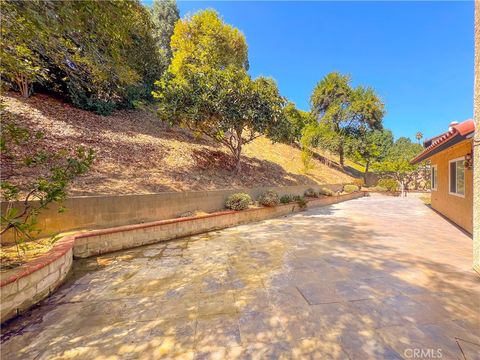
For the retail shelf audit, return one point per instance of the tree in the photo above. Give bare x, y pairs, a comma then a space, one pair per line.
419, 136
24, 151
208, 90
346, 111
100, 55
165, 14
372, 147
297, 119
204, 42
21, 65
397, 165
224, 105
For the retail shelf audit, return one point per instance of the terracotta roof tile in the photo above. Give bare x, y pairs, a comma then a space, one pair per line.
464, 128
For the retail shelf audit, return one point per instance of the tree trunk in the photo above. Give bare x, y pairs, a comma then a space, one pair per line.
367, 165
238, 152
341, 154
23, 85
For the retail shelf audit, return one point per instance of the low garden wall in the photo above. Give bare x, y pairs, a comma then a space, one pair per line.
32, 282
99, 212
124, 237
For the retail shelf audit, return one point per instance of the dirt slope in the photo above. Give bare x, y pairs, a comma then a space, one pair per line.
137, 154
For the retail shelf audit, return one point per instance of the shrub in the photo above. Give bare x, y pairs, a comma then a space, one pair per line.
326, 192
350, 188
297, 197
389, 184
286, 199
310, 193
270, 198
302, 203
238, 201
54, 171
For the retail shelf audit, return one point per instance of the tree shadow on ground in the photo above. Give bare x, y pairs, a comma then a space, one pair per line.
335, 165
136, 153
324, 283
221, 164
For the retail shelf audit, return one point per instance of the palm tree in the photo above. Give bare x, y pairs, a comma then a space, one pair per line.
419, 136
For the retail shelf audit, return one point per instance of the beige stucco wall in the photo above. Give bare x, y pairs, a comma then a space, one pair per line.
456, 208
97, 212
476, 208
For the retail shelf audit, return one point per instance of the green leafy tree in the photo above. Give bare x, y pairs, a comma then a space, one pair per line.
297, 119
224, 105
371, 147
100, 55
396, 163
343, 111
23, 151
21, 66
165, 14
204, 42
208, 90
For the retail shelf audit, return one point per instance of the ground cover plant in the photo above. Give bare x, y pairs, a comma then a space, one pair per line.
238, 201
311, 193
269, 199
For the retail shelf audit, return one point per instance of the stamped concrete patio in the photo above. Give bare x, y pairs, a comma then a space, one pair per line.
374, 278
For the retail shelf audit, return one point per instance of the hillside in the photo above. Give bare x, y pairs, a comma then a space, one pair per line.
137, 154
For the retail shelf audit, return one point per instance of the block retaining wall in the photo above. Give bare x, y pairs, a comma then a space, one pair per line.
97, 212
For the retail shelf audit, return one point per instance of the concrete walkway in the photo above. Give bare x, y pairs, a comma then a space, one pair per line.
373, 278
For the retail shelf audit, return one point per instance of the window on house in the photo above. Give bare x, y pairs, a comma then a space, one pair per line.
434, 177
457, 177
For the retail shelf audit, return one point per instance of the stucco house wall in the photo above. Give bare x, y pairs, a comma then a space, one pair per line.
456, 208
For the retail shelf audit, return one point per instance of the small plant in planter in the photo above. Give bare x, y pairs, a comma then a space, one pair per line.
238, 201
326, 191
286, 199
269, 198
350, 188
310, 193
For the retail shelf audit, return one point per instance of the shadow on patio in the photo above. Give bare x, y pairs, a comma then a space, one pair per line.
357, 280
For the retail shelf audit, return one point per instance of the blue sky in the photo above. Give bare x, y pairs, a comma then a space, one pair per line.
417, 55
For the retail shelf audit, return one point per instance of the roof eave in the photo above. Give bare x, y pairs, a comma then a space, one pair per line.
450, 142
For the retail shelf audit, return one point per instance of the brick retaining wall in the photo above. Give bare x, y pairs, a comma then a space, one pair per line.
124, 237
34, 281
